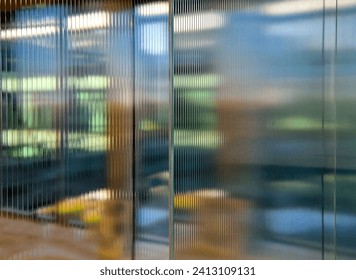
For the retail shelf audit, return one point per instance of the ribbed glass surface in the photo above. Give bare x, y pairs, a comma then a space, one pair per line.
344, 112
329, 130
151, 120
182, 129
251, 94
66, 129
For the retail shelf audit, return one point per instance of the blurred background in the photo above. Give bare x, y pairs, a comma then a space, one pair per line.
205, 129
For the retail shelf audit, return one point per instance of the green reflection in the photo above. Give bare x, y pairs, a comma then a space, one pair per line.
196, 81
51, 83
210, 139
32, 143
204, 98
297, 123
149, 125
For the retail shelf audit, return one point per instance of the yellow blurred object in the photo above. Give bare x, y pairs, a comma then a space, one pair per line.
185, 201
92, 216
87, 211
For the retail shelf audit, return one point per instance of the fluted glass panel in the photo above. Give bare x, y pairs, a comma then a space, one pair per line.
66, 129
183, 129
328, 128
248, 128
151, 118
344, 113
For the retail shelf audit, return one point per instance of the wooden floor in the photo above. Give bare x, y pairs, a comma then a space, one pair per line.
26, 239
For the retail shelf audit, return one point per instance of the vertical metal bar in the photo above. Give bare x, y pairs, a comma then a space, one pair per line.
133, 129
171, 128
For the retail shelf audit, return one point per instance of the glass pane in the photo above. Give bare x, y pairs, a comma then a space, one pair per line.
220, 131
328, 129
248, 93
66, 130
152, 130
345, 72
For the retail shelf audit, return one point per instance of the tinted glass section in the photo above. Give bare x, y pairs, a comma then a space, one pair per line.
151, 130
345, 85
183, 129
66, 129
248, 129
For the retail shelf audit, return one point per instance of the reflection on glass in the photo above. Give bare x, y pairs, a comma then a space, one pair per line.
151, 133
258, 129
344, 176
66, 130
248, 93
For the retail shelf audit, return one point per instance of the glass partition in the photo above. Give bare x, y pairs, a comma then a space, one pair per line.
151, 118
344, 101
182, 129
66, 129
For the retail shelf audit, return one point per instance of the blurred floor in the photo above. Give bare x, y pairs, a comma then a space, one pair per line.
25, 239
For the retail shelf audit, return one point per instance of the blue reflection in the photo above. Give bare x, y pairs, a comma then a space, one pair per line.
263, 120
273, 125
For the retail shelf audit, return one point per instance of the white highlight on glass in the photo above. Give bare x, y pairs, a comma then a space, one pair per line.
18, 33
80, 22
153, 9
294, 7
88, 21
199, 22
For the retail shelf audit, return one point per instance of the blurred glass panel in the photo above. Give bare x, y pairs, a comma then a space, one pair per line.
248, 93
328, 129
152, 128
345, 71
66, 129
262, 131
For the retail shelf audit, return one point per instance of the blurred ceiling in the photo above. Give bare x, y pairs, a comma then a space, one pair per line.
11, 5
